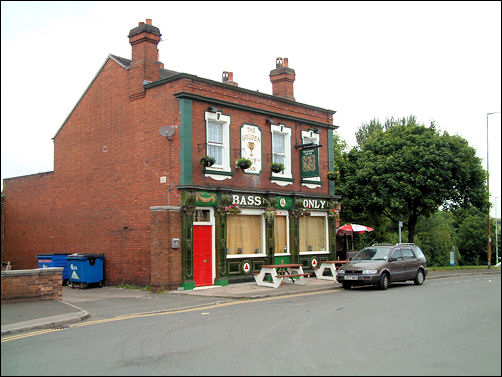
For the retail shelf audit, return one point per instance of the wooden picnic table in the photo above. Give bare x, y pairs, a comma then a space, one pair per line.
332, 265
290, 273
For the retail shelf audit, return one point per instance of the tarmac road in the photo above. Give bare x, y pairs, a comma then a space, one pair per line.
448, 326
109, 302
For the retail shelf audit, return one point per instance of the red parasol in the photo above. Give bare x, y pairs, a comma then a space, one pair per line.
344, 230
353, 228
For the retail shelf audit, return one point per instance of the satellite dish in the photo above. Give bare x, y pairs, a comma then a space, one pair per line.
167, 131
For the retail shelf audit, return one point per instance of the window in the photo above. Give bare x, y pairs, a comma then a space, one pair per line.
218, 144
278, 151
215, 141
245, 234
281, 153
313, 233
397, 254
202, 216
281, 233
407, 254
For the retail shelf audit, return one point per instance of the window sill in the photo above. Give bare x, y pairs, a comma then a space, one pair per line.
281, 181
235, 256
313, 252
311, 183
218, 175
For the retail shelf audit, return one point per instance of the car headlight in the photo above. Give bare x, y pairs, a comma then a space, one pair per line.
369, 272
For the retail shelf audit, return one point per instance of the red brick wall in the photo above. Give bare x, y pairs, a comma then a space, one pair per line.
166, 261
43, 283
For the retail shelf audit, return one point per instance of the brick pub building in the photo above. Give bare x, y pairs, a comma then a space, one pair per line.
128, 179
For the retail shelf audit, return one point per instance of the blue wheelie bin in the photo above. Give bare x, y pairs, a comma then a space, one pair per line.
55, 260
85, 269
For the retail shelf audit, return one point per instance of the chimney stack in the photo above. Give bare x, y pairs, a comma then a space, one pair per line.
228, 78
145, 65
282, 78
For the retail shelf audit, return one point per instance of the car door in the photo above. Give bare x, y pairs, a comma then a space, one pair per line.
410, 263
396, 266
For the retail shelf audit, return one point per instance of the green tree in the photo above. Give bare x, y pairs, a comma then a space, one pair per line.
471, 236
368, 130
409, 170
435, 236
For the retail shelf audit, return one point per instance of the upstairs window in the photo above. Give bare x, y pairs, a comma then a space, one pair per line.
215, 145
218, 144
281, 153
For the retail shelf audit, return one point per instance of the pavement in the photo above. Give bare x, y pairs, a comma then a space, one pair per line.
109, 302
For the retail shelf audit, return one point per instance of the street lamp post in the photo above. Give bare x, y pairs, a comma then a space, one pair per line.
496, 237
488, 188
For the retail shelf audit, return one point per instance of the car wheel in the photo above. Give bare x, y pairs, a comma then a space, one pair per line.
346, 285
384, 281
419, 279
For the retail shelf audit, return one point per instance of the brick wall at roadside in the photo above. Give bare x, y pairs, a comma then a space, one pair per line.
42, 283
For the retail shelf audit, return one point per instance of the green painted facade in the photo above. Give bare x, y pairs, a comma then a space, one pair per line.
185, 106
231, 269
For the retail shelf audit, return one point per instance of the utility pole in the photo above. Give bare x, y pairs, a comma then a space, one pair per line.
488, 188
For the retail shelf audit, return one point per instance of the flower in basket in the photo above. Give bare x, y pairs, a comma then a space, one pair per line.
306, 211
232, 209
276, 167
332, 175
332, 213
269, 214
243, 163
207, 161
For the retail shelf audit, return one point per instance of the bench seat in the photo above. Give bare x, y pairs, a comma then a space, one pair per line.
293, 275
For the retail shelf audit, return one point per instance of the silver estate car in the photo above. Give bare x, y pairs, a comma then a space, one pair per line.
383, 264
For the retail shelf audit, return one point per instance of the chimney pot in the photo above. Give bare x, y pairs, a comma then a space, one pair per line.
149, 21
228, 78
282, 78
140, 23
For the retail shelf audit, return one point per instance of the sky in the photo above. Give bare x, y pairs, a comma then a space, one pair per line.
439, 61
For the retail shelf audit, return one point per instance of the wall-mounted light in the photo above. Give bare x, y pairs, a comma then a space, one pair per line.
212, 109
315, 130
269, 120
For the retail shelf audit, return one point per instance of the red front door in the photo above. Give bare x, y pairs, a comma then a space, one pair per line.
202, 255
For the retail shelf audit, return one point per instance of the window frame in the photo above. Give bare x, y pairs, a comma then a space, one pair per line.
225, 168
326, 235
252, 212
286, 215
285, 177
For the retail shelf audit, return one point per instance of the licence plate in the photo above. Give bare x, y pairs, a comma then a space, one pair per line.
350, 277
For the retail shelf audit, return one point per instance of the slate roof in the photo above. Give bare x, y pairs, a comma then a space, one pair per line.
164, 73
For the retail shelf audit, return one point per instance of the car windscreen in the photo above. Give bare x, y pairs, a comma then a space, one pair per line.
372, 253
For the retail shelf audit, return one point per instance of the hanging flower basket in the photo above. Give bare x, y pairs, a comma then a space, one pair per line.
207, 161
232, 209
332, 213
269, 214
332, 175
243, 163
276, 167
305, 211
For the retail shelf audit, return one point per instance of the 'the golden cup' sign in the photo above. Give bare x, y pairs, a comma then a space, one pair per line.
251, 147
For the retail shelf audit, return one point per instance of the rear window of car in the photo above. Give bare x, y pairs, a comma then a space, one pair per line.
418, 252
